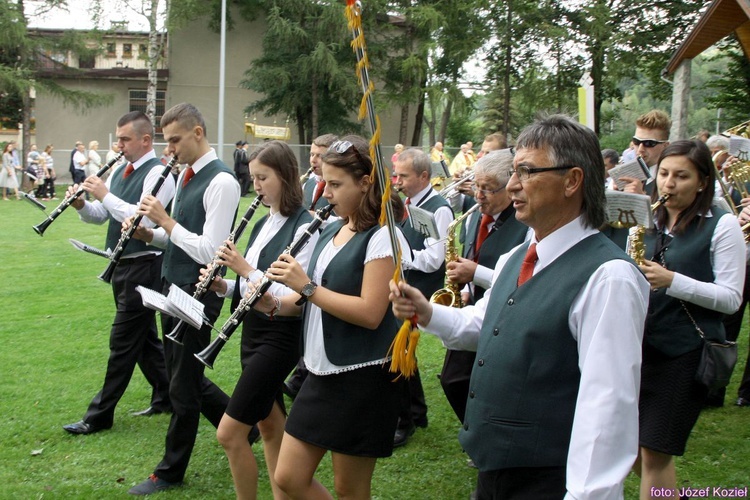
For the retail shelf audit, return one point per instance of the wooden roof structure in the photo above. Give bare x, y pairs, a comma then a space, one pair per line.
722, 18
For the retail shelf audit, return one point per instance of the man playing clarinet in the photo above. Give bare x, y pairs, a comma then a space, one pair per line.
133, 337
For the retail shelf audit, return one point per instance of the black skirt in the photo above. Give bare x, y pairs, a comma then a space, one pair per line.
353, 413
270, 350
671, 400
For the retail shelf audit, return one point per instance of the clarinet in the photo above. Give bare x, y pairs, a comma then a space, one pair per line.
178, 332
126, 236
42, 226
208, 355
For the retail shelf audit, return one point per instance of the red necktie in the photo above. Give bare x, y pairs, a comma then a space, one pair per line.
484, 231
128, 170
527, 267
189, 173
319, 187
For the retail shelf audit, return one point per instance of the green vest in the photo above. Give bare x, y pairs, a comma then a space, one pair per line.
427, 283
179, 268
524, 383
128, 190
345, 343
668, 327
308, 192
504, 238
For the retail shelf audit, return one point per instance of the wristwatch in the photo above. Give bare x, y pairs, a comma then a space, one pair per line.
307, 291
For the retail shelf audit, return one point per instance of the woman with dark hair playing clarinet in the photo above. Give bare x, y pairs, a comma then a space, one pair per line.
696, 273
349, 402
270, 342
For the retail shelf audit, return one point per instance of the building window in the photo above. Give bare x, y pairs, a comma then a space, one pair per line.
127, 50
143, 51
86, 61
111, 50
138, 103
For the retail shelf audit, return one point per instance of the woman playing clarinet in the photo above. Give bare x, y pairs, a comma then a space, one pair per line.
349, 402
270, 342
696, 276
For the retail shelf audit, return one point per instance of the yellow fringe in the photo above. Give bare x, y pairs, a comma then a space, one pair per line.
403, 349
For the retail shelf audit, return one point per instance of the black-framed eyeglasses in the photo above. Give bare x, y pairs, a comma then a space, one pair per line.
647, 143
523, 172
486, 192
342, 147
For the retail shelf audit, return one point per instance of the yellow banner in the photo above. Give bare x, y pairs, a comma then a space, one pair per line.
268, 132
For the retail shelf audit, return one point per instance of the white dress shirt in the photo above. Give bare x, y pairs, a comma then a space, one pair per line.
220, 202
606, 320
98, 212
724, 294
272, 226
432, 257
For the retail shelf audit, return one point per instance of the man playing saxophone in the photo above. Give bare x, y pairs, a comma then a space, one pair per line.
412, 170
491, 232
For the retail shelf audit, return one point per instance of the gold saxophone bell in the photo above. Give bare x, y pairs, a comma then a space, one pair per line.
450, 294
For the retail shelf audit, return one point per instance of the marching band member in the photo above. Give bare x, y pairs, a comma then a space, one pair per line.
133, 338
270, 343
349, 402
553, 395
201, 217
696, 274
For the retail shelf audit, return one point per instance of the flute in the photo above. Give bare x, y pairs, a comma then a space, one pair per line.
208, 355
42, 226
126, 236
178, 332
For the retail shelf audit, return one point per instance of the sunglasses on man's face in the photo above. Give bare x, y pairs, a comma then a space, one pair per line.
647, 143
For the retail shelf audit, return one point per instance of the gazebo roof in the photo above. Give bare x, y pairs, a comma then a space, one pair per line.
722, 18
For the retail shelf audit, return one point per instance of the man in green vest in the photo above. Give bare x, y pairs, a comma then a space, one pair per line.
133, 337
202, 214
552, 408
413, 169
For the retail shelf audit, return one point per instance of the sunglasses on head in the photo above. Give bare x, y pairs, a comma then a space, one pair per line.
342, 147
647, 143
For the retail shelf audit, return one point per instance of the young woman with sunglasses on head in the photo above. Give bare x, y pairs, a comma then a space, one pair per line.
270, 343
696, 273
349, 402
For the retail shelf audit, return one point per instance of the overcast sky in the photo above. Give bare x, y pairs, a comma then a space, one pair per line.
78, 15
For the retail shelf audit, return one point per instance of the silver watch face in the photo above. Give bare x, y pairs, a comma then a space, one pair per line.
308, 289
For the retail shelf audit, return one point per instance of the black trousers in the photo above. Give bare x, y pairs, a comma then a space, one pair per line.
133, 340
191, 393
244, 180
522, 483
412, 405
455, 377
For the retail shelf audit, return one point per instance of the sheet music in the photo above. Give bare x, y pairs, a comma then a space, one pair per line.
739, 147
629, 209
89, 249
185, 306
423, 222
629, 169
153, 299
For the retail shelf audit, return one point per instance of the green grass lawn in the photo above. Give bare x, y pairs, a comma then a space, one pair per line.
54, 330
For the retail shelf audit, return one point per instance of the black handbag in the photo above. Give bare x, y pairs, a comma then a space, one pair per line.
717, 360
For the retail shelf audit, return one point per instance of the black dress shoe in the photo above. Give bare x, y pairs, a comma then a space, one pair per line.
82, 427
403, 435
149, 411
742, 402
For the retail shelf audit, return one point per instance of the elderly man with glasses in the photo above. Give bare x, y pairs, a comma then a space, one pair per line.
552, 410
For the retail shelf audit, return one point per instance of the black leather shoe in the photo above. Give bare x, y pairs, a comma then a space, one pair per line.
149, 411
82, 427
421, 422
742, 402
152, 485
403, 435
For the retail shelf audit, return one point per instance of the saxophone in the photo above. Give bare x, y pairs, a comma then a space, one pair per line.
635, 247
450, 294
